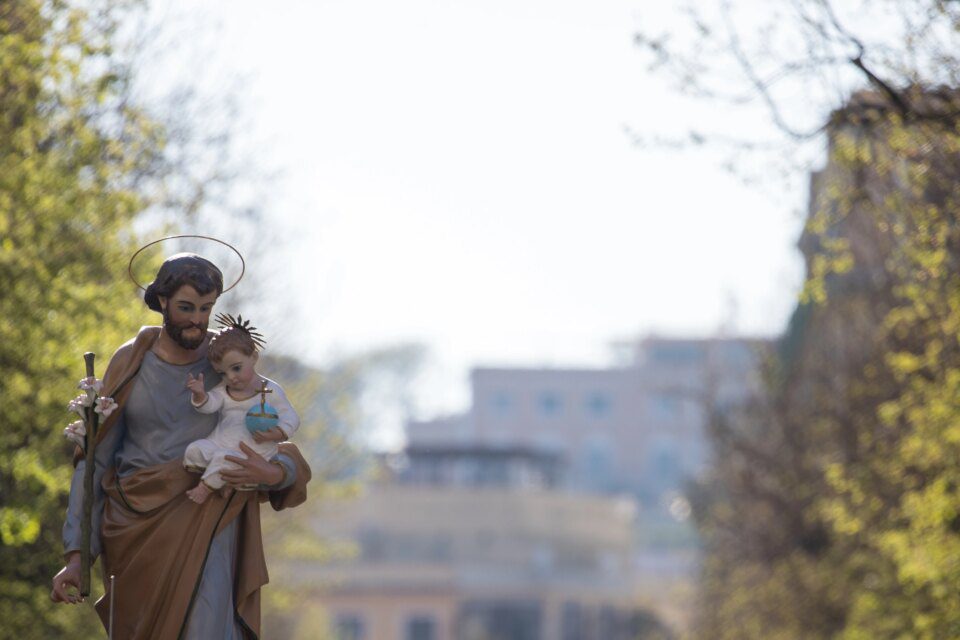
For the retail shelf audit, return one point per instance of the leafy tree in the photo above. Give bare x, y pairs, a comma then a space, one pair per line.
894, 501
72, 151
80, 162
832, 508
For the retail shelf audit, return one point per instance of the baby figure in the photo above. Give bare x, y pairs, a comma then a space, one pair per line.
233, 352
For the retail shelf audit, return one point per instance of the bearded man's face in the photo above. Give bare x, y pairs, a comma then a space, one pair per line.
186, 315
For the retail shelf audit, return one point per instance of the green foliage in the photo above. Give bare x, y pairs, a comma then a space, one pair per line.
836, 512
69, 153
897, 501
79, 162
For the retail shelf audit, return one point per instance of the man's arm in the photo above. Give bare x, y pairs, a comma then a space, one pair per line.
269, 475
103, 459
254, 469
289, 473
66, 578
295, 492
69, 576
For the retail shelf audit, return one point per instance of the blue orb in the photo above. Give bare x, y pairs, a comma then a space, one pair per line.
264, 420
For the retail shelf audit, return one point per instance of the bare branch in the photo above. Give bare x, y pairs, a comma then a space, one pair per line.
743, 60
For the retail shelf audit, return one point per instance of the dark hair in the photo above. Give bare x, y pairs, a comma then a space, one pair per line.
179, 270
230, 339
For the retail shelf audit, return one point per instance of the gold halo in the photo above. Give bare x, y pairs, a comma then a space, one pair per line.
243, 264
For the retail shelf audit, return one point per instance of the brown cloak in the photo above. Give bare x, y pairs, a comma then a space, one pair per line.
156, 540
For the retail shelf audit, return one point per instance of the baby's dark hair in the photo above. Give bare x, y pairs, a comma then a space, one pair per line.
235, 335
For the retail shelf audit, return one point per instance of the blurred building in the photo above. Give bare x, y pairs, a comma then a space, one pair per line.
638, 429
475, 544
547, 511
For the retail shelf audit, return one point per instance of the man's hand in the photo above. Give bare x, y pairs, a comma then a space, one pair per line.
67, 578
275, 434
196, 388
254, 470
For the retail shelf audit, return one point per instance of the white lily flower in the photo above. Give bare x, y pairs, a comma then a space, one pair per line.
90, 383
105, 406
77, 405
75, 432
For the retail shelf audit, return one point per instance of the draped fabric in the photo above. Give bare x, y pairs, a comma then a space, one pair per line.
156, 540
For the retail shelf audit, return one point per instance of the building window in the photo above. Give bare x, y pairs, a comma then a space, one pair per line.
550, 404
373, 543
349, 627
598, 463
572, 622
664, 461
666, 406
598, 405
514, 619
737, 354
677, 353
421, 627
502, 403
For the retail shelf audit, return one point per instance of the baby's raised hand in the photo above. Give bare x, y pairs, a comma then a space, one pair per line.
275, 434
196, 387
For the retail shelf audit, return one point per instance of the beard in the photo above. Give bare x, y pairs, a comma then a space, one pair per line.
175, 331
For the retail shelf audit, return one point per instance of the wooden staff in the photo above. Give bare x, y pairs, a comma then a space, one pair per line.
92, 419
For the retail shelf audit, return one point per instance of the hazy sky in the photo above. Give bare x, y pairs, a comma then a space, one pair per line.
459, 174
